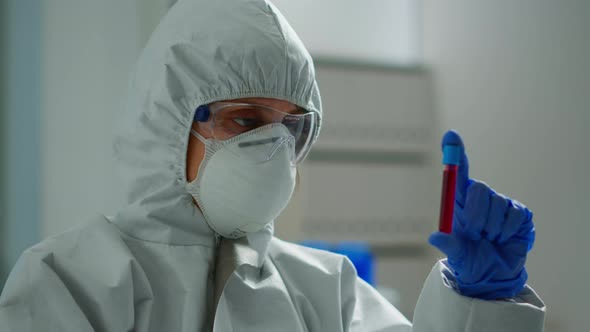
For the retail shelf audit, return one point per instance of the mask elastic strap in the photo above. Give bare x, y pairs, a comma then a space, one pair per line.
198, 136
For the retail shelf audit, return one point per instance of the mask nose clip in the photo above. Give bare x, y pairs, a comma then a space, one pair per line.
289, 140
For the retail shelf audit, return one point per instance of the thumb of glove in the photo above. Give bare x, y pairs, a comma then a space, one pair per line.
448, 244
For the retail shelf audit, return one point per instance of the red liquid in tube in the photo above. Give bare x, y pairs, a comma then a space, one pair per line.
447, 201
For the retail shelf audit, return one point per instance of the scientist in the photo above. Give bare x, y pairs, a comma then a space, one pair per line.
224, 105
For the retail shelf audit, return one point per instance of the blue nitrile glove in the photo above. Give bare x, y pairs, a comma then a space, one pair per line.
491, 237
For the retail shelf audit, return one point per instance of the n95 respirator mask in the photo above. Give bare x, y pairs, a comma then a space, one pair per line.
246, 181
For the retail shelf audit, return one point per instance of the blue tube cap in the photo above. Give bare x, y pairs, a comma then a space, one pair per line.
451, 154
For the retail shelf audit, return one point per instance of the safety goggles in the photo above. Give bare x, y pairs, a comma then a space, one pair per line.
226, 120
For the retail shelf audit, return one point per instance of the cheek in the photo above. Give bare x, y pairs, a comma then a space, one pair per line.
194, 156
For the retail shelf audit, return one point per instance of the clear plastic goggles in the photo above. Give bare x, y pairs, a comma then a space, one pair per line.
226, 120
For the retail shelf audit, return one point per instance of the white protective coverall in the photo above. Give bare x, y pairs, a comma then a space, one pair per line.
156, 265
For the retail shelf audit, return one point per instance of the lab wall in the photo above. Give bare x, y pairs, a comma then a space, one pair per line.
20, 104
383, 31
514, 78
90, 48
3, 109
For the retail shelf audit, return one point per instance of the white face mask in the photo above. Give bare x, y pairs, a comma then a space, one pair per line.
237, 193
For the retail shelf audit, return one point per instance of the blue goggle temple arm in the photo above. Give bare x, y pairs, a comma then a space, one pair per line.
202, 113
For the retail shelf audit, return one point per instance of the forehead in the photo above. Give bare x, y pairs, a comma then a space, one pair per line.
278, 104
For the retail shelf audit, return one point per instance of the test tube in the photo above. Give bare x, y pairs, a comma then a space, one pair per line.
451, 157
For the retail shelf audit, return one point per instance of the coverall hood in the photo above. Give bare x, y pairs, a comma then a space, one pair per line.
202, 51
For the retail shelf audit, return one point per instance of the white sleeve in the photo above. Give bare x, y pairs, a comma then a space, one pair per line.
374, 313
364, 309
35, 298
441, 309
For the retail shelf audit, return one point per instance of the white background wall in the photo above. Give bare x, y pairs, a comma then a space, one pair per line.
371, 30
20, 109
89, 51
514, 78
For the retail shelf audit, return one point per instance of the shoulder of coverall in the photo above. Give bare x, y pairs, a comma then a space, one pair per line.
310, 263
97, 237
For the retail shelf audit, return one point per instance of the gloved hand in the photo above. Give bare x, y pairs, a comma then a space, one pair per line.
491, 237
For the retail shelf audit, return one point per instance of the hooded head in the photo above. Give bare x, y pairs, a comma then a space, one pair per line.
202, 51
